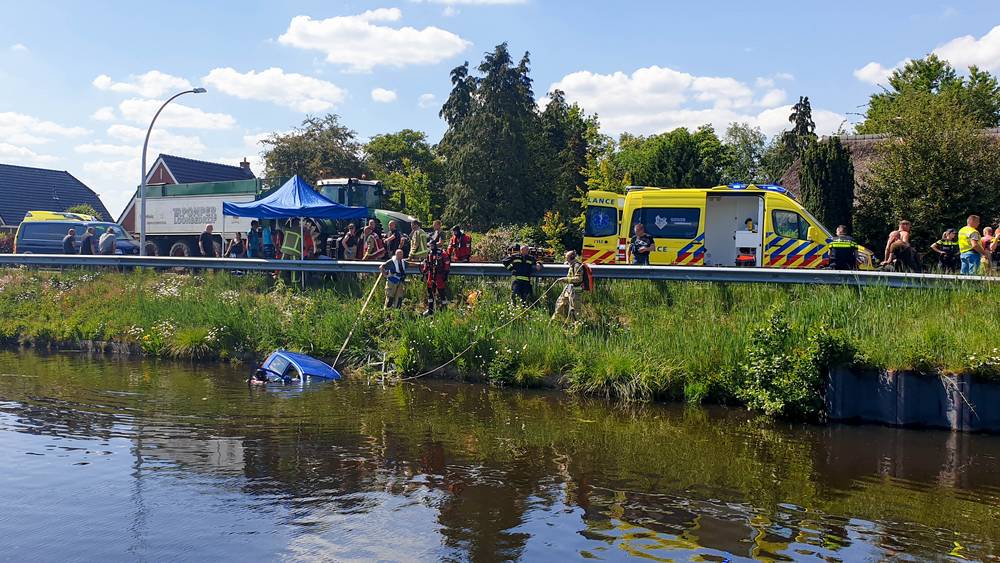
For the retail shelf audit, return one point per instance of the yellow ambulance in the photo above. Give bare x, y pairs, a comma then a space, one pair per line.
733, 225
602, 222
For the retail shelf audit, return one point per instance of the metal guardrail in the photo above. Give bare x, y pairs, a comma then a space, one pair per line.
621, 272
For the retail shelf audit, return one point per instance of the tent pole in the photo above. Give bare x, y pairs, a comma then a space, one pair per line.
302, 243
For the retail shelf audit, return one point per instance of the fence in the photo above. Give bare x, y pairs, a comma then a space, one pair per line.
621, 272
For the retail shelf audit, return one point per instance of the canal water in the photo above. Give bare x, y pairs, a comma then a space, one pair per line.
115, 460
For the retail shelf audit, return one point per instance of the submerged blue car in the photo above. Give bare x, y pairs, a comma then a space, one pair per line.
283, 365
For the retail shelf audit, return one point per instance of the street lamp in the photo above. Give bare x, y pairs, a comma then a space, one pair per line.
142, 180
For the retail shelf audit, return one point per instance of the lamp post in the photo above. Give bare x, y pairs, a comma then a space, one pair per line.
142, 180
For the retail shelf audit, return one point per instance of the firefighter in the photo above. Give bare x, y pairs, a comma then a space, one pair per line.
460, 247
436, 267
521, 265
843, 251
947, 251
566, 304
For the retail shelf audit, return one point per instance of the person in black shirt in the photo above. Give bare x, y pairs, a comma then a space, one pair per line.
393, 239
521, 266
206, 242
87, 242
69, 242
641, 246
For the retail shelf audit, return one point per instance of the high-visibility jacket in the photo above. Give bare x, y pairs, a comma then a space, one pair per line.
949, 247
844, 253
965, 235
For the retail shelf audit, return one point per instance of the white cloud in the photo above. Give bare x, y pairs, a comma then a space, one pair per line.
426, 100
13, 154
961, 52
784, 76
773, 97
966, 51
161, 140
174, 115
875, 73
297, 91
153, 84
106, 149
19, 48
383, 96
656, 99
21, 129
449, 11
356, 41
106, 113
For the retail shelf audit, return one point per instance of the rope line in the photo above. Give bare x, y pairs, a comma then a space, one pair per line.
358, 320
491, 333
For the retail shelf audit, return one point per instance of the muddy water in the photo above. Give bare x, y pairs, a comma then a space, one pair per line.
123, 461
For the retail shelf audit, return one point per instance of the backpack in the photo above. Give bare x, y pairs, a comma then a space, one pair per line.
588, 277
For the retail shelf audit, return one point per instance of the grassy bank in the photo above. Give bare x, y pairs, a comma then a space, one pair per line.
760, 345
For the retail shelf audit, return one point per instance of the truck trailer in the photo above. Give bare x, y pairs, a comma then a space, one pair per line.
177, 213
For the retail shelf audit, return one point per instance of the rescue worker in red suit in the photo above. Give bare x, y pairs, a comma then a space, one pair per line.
460, 246
435, 269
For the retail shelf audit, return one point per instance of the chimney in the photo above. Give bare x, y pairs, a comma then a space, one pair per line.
245, 164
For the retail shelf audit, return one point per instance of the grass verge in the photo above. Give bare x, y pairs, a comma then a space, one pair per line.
764, 346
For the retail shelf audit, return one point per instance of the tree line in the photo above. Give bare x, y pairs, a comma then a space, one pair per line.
505, 158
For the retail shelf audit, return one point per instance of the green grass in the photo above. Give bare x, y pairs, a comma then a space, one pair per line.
766, 346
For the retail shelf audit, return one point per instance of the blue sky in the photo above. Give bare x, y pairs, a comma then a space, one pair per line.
80, 80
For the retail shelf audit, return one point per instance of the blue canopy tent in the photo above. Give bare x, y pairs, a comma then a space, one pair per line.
295, 199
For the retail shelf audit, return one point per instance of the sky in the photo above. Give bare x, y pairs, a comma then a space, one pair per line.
80, 81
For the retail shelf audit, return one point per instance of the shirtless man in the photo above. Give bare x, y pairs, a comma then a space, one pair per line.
900, 235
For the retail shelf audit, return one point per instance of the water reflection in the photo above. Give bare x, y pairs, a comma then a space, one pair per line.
180, 461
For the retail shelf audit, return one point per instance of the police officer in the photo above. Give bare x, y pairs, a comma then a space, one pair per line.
521, 266
843, 251
947, 251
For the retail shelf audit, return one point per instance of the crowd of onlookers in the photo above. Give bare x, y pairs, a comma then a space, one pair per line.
963, 250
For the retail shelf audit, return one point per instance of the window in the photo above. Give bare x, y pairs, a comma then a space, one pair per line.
669, 222
789, 224
48, 231
601, 221
101, 228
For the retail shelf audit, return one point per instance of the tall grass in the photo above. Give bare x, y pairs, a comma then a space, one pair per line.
634, 340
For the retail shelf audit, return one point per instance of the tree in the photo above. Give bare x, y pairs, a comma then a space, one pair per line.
827, 182
978, 95
803, 131
745, 146
85, 209
493, 174
678, 158
405, 162
319, 148
412, 191
938, 168
565, 130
